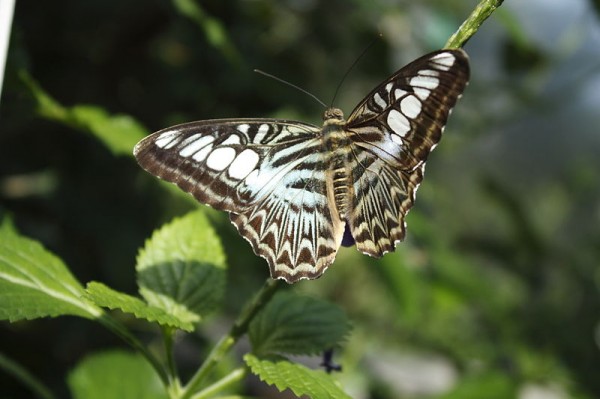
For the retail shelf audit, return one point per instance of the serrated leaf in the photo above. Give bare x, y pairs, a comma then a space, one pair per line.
115, 374
182, 267
36, 283
106, 297
299, 379
297, 325
119, 133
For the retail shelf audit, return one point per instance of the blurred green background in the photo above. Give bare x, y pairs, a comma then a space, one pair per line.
496, 291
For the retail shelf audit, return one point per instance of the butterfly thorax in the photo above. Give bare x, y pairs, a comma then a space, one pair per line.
337, 145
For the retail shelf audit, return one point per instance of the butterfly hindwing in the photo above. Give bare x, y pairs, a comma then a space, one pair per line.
384, 195
294, 227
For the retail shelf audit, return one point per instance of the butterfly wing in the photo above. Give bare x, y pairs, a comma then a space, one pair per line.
269, 174
394, 129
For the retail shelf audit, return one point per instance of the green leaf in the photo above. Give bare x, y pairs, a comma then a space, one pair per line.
299, 379
119, 133
181, 269
297, 325
115, 374
35, 283
106, 297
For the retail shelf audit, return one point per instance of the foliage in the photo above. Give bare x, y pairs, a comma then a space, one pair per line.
103, 375
305, 326
299, 379
119, 133
494, 293
37, 284
182, 267
104, 296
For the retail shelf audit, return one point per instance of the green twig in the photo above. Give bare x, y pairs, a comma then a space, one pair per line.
237, 330
482, 12
231, 378
174, 383
21, 374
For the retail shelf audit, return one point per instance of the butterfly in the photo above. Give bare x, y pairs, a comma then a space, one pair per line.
296, 191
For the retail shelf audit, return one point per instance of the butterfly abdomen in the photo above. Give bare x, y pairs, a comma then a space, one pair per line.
340, 190
337, 143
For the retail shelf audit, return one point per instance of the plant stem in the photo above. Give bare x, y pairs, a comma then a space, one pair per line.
120, 330
231, 378
468, 28
21, 374
239, 328
174, 383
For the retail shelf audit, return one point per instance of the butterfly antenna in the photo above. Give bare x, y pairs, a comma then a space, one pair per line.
352, 67
291, 85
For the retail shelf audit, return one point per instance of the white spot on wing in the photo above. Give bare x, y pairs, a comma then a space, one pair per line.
422, 93
260, 134
167, 140
243, 128
233, 139
201, 155
379, 101
190, 139
428, 72
422, 85
410, 106
444, 61
398, 93
428, 82
220, 158
196, 145
243, 164
398, 123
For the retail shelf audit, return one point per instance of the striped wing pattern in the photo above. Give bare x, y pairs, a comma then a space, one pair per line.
395, 128
269, 174
293, 190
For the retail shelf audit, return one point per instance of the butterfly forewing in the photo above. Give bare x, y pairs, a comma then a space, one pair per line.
227, 164
395, 128
292, 188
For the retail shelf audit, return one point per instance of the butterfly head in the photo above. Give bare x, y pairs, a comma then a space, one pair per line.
333, 115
